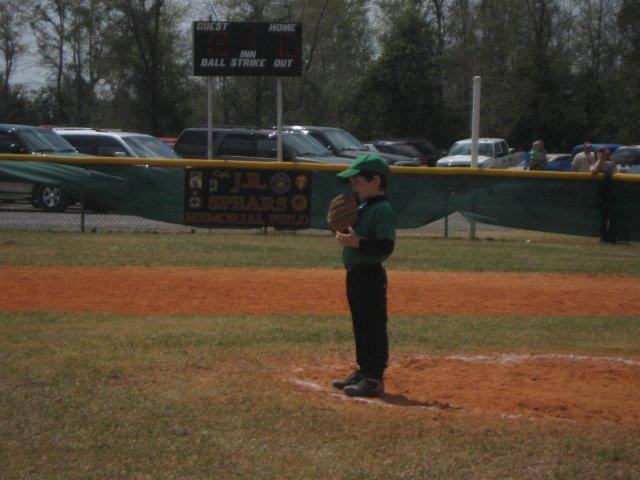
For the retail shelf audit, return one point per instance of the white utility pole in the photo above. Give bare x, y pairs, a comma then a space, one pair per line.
475, 122
475, 136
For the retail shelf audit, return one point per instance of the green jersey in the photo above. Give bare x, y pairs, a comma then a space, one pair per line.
376, 228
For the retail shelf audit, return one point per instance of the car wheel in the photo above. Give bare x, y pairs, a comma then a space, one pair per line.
52, 199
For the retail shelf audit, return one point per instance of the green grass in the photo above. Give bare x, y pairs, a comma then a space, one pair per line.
284, 250
66, 332
116, 396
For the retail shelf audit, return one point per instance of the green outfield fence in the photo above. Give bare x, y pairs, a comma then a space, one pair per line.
434, 201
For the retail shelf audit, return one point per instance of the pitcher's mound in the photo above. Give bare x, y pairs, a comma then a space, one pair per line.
563, 387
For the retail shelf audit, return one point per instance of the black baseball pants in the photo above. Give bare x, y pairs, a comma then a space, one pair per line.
367, 295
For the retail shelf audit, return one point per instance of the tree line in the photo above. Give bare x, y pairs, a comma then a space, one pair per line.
558, 70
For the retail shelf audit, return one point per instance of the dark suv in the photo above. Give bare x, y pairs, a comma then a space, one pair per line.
25, 139
342, 144
427, 154
240, 143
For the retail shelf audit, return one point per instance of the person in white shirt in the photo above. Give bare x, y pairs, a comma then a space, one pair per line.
584, 160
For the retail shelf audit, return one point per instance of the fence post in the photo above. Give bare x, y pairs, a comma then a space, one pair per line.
607, 229
447, 194
82, 213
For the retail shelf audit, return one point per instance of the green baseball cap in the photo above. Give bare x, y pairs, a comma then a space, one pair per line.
369, 162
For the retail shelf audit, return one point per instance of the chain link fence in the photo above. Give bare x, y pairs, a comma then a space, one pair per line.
23, 216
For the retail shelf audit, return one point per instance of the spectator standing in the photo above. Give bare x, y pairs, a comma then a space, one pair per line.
584, 160
537, 156
605, 165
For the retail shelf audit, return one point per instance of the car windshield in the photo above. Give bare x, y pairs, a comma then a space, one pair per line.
149, 147
43, 140
464, 148
404, 149
300, 144
343, 140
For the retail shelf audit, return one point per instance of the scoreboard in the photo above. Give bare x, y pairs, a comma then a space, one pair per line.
247, 49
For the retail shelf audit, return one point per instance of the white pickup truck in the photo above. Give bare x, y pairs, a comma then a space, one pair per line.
492, 153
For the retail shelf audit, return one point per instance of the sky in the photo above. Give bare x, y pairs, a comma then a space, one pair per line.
28, 72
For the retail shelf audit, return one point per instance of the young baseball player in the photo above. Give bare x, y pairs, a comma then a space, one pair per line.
365, 246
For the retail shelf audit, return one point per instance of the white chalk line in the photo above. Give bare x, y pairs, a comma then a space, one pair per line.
341, 396
374, 401
510, 358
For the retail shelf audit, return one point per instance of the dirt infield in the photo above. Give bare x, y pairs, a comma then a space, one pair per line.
564, 388
165, 290
569, 388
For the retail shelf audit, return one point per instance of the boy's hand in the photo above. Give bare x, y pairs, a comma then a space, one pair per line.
349, 239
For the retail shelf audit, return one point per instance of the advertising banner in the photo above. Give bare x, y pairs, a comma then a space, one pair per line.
247, 198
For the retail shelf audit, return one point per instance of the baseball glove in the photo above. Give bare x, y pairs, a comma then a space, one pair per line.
343, 211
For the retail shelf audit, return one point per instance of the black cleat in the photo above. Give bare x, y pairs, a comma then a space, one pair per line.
352, 379
366, 387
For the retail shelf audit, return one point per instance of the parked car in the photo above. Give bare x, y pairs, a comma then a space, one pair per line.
559, 162
419, 149
492, 153
627, 159
30, 140
246, 143
115, 143
342, 144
